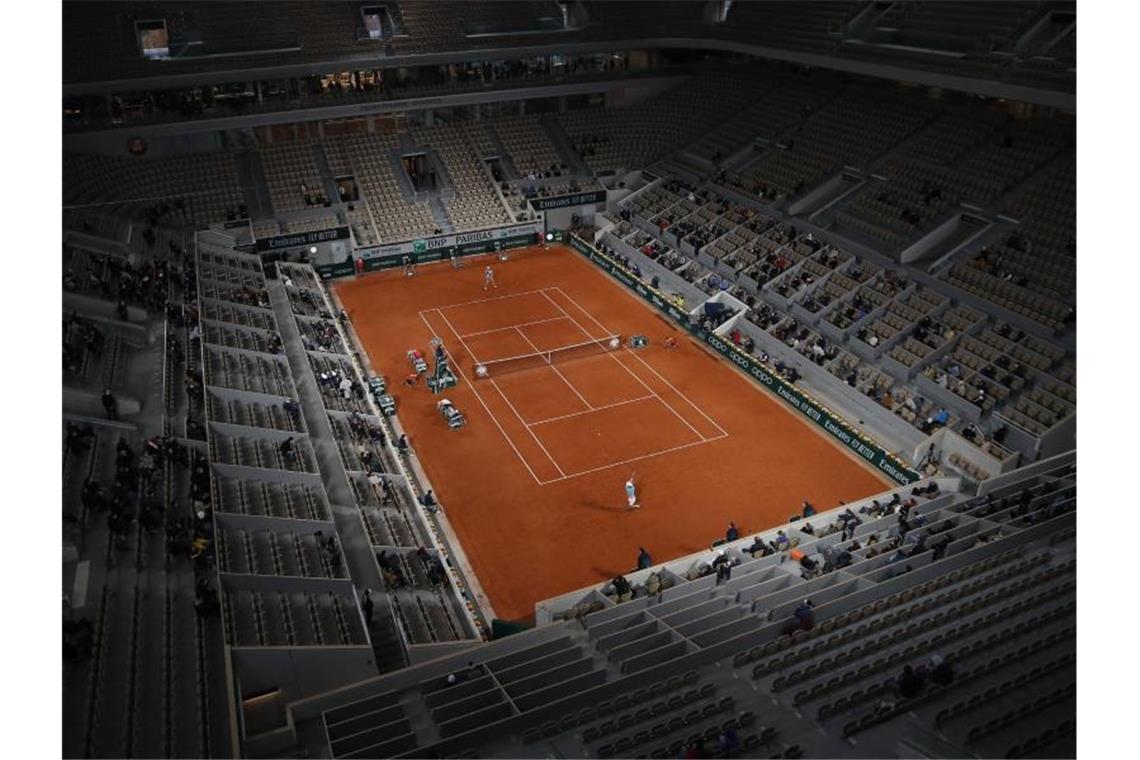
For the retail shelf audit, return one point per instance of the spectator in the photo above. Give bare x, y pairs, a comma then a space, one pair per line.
331, 551
940, 548
941, 671
366, 607
643, 559
805, 615
622, 586
110, 404
288, 450
782, 541
728, 742
910, 683
732, 533
758, 545
92, 496
808, 509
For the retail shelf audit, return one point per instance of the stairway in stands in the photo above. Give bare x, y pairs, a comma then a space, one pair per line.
358, 553
254, 187
562, 143
439, 213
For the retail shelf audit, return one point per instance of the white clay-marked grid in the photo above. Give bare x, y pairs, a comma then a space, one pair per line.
441, 324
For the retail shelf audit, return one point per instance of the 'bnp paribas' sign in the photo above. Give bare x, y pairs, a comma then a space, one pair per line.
564, 201
451, 241
301, 239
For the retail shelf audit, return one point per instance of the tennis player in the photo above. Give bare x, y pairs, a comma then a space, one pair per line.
489, 279
631, 493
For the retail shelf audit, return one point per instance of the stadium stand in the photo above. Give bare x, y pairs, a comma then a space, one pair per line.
901, 253
984, 586
192, 189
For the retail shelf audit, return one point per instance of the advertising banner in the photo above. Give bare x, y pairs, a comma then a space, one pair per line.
300, 239
562, 201
426, 250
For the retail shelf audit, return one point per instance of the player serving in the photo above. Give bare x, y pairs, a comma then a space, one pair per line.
631, 493
489, 279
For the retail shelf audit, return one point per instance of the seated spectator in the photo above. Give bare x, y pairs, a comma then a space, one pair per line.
471, 671
622, 586
729, 742
941, 671
910, 683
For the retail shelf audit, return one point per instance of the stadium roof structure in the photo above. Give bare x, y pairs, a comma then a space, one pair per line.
1026, 47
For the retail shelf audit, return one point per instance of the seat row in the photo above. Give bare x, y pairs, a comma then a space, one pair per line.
262, 618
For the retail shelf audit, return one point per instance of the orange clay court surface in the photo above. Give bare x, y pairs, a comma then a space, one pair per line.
534, 483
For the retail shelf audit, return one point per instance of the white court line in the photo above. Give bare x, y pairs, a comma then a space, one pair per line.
568, 383
484, 300
532, 435
510, 327
635, 459
591, 410
486, 408
504, 396
621, 364
635, 356
510, 441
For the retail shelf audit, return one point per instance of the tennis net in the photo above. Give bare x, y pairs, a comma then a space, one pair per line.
499, 367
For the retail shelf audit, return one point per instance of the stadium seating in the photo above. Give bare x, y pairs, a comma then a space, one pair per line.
368, 159
293, 178
996, 605
251, 490
475, 204
850, 130
190, 189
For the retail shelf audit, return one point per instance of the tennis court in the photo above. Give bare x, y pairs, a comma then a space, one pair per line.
552, 377
558, 418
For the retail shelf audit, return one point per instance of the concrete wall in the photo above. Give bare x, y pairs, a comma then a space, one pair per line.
947, 442
1027, 472
114, 143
